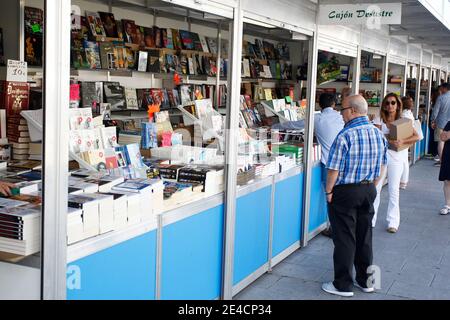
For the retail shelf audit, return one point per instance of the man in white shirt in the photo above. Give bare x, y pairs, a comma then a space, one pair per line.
327, 125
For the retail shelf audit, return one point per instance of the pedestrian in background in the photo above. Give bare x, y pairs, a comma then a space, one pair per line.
444, 173
391, 110
440, 116
408, 105
355, 163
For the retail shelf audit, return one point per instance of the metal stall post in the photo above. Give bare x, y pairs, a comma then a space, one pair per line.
232, 125
356, 71
417, 104
385, 76
218, 64
405, 80
428, 107
56, 156
309, 131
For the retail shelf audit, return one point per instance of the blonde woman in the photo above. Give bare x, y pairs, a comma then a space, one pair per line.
391, 110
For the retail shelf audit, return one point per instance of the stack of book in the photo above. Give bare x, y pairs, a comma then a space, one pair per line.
19, 227
35, 151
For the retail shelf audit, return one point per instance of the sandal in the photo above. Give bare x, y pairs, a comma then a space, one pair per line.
403, 186
445, 210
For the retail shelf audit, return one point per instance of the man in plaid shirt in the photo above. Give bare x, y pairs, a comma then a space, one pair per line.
356, 160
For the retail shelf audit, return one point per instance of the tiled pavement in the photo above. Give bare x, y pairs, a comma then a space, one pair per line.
414, 262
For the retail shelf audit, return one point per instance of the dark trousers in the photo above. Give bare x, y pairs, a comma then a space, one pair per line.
351, 212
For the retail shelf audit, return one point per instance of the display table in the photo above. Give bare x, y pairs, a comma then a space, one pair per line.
181, 256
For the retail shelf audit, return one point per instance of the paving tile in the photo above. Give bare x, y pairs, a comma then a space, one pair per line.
298, 271
266, 281
414, 291
297, 289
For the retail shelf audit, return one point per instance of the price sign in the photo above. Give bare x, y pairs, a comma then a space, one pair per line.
16, 71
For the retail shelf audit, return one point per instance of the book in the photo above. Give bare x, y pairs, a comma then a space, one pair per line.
115, 95
74, 95
15, 98
149, 136
169, 39
111, 159
149, 39
186, 40
120, 56
154, 63
95, 158
89, 95
133, 155
196, 40
129, 30
107, 58
121, 157
184, 64
142, 61
157, 36
140, 37
78, 55
92, 54
212, 45
164, 39
109, 24
90, 208
204, 43
95, 24
131, 99
109, 137
176, 39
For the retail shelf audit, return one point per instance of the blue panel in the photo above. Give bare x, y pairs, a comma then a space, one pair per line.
252, 233
124, 271
318, 213
288, 209
192, 257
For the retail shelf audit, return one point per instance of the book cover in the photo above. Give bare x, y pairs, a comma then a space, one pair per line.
157, 35
110, 159
154, 64
131, 99
121, 157
109, 24
16, 98
212, 45
92, 54
78, 55
164, 37
186, 40
74, 96
89, 97
169, 42
109, 137
130, 62
107, 55
199, 63
129, 30
184, 64
133, 155
186, 94
204, 43
75, 141
114, 94
120, 56
95, 24
149, 136
197, 43
149, 38
33, 49
140, 37
192, 66
177, 44
142, 61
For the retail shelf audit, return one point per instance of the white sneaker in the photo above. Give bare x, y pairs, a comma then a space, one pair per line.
437, 158
329, 287
365, 290
445, 210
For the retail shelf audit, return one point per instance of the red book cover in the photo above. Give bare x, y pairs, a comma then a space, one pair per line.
16, 98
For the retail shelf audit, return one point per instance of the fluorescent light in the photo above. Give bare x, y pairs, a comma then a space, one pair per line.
259, 23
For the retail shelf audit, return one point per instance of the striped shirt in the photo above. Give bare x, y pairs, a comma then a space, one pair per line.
358, 152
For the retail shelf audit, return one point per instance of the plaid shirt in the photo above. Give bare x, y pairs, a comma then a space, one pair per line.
358, 152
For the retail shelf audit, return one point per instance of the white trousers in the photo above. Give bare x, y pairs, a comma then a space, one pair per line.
395, 167
405, 175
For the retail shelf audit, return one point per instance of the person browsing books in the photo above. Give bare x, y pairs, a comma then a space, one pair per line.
441, 115
355, 164
5, 188
391, 110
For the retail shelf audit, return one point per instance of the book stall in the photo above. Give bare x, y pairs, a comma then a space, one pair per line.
166, 143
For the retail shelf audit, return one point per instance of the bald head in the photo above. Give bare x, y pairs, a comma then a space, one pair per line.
353, 107
358, 104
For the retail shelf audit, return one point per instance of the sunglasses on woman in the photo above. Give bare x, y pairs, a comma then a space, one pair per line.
390, 102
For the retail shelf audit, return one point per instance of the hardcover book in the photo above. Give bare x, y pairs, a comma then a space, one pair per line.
109, 24
142, 60
129, 30
204, 43
169, 42
95, 24
197, 43
114, 94
107, 55
212, 45
149, 38
131, 99
186, 39
92, 54
157, 35
154, 64
177, 44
